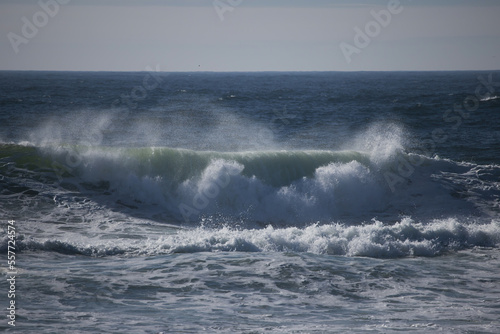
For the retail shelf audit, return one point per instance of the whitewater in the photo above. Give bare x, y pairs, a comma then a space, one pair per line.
240, 202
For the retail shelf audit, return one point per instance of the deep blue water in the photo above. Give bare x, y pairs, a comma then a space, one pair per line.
252, 202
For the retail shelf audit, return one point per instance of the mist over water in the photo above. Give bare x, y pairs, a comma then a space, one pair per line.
188, 152
307, 170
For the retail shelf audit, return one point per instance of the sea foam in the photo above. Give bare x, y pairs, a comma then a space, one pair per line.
375, 239
286, 188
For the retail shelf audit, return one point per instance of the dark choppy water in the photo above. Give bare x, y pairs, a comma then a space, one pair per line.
252, 202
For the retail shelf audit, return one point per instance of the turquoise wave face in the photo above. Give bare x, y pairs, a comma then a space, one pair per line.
257, 188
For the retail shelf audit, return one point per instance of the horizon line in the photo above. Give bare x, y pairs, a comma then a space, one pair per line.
254, 71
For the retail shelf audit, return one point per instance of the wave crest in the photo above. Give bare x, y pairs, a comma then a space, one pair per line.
376, 239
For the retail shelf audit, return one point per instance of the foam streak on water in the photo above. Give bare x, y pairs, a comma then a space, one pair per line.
281, 293
244, 203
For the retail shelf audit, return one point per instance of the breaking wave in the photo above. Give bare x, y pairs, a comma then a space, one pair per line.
282, 188
374, 239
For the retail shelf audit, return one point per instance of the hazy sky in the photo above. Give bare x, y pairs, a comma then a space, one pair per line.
249, 35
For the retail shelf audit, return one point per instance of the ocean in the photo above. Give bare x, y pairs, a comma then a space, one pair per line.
266, 202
